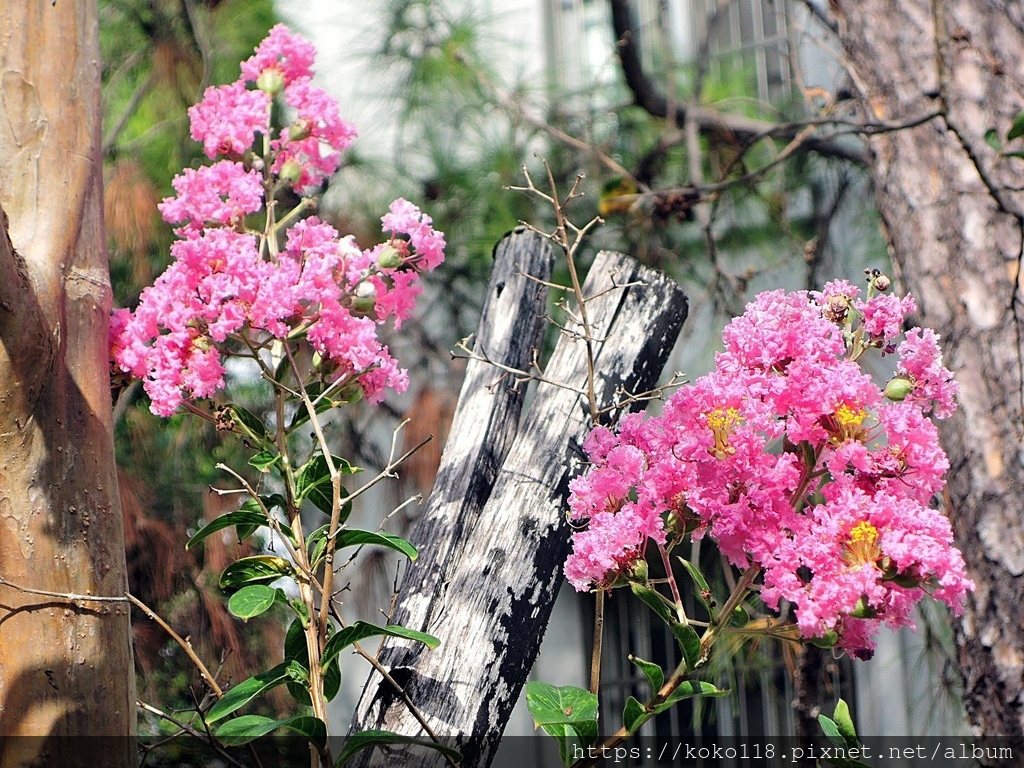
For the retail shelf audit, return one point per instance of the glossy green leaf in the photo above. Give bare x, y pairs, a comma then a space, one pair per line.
302, 413
295, 650
249, 423
264, 460
654, 673
242, 730
740, 616
567, 704
688, 641
1017, 129
316, 545
568, 713
831, 731
256, 569
703, 590
350, 537
252, 600
368, 739
248, 517
992, 139
634, 715
844, 723
362, 630
654, 601
313, 482
247, 690
689, 689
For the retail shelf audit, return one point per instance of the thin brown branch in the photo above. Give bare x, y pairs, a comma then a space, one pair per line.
744, 129
190, 730
185, 644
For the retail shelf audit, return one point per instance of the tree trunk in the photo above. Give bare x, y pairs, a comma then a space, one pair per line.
65, 663
492, 595
953, 211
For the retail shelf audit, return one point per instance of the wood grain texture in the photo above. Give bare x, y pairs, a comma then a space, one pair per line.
510, 332
503, 580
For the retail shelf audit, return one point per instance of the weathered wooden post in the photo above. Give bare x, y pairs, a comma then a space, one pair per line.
490, 597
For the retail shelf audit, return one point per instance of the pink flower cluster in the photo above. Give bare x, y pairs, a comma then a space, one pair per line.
228, 290
794, 460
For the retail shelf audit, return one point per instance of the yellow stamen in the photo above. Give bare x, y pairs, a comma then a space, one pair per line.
862, 547
722, 423
847, 424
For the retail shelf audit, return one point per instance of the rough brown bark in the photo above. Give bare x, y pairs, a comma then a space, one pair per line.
65, 665
953, 209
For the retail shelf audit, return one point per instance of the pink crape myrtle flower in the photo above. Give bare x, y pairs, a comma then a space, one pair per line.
792, 459
222, 193
228, 119
284, 51
228, 290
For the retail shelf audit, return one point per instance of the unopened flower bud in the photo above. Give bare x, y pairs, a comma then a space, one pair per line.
881, 283
365, 297
389, 257
638, 572
898, 388
300, 129
290, 172
270, 81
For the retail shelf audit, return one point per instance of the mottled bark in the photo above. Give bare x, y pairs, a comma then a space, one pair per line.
953, 210
65, 665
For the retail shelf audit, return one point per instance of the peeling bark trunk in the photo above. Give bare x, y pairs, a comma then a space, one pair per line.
953, 210
65, 666
493, 591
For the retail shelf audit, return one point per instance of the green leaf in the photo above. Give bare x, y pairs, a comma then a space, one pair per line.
831, 731
302, 413
654, 601
295, 650
844, 723
569, 714
992, 139
246, 691
244, 729
256, 569
1017, 129
689, 689
362, 630
248, 517
251, 425
264, 460
740, 617
634, 715
699, 581
655, 674
252, 600
350, 537
313, 482
551, 705
688, 641
316, 545
368, 739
